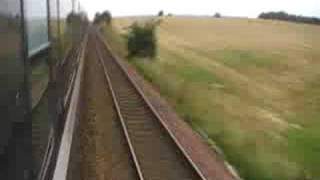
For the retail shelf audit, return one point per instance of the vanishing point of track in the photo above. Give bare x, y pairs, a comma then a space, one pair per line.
156, 154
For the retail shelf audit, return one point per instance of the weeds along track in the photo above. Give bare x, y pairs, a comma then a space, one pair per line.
156, 153
104, 151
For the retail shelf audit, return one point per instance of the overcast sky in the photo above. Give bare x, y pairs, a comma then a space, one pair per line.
248, 8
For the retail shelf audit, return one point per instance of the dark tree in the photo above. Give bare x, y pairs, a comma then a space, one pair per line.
77, 18
71, 17
104, 17
289, 17
160, 13
217, 15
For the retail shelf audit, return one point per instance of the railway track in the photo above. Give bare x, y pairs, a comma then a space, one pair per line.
103, 147
156, 154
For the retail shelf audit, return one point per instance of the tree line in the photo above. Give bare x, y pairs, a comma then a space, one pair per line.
289, 17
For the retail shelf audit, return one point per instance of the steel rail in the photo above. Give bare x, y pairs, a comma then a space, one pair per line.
150, 106
117, 107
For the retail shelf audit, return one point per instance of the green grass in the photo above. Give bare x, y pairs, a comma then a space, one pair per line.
196, 74
236, 57
252, 87
304, 150
302, 146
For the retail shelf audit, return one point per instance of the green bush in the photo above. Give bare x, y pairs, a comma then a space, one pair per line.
142, 40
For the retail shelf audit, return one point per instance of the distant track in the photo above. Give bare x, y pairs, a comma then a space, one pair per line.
157, 155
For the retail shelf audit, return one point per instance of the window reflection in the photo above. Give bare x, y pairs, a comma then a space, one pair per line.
37, 25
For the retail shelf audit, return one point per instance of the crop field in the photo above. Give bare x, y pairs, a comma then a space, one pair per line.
252, 86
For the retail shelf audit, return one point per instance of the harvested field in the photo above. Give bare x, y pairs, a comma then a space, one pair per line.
251, 86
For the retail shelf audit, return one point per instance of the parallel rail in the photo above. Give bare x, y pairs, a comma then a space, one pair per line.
156, 152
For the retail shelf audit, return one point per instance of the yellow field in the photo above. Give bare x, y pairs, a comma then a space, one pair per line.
253, 86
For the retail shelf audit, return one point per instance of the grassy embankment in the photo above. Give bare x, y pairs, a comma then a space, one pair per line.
252, 86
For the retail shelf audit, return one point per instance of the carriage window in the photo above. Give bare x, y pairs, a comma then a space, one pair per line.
37, 25
37, 32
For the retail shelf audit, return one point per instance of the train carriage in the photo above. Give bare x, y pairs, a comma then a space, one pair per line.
35, 37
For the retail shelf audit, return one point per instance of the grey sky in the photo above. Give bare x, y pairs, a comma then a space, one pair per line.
36, 8
248, 8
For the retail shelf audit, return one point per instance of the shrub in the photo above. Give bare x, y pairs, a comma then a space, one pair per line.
142, 40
